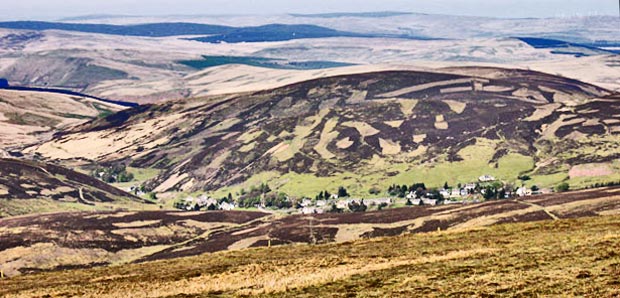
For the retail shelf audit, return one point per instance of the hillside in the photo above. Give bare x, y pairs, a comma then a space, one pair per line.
365, 130
215, 34
30, 187
33, 243
150, 30
28, 117
559, 258
150, 69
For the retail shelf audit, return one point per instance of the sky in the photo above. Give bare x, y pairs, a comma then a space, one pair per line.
57, 9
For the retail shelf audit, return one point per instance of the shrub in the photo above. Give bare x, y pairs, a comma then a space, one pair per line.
562, 187
342, 192
357, 207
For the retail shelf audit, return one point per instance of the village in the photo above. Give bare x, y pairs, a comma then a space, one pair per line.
263, 198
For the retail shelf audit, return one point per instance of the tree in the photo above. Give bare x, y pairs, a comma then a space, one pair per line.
357, 207
409, 203
264, 188
490, 193
501, 194
382, 205
524, 178
445, 185
535, 188
403, 191
327, 195
124, 177
392, 190
562, 187
342, 192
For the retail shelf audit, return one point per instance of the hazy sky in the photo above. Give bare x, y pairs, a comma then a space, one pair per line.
55, 9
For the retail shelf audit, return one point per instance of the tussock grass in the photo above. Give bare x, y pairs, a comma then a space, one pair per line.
556, 258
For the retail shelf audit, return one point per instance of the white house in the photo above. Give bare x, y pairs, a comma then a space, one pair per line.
444, 193
306, 203
311, 210
387, 201
431, 202
470, 186
486, 178
227, 206
342, 205
523, 191
456, 193
321, 203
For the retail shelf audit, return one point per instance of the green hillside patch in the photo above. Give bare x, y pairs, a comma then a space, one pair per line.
475, 163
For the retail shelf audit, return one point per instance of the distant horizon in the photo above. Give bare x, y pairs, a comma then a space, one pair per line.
86, 17
54, 10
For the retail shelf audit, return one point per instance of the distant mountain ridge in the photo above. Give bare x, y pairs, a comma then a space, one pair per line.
378, 14
146, 30
217, 34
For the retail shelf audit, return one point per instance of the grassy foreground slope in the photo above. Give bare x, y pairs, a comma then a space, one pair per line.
52, 242
576, 257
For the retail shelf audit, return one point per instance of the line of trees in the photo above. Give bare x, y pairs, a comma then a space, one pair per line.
112, 174
402, 190
326, 195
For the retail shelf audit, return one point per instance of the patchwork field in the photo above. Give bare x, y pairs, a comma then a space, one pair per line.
36, 243
569, 257
362, 131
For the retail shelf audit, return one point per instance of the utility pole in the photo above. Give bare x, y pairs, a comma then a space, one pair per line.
312, 238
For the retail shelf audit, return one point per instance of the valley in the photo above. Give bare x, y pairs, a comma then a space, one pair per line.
372, 154
362, 131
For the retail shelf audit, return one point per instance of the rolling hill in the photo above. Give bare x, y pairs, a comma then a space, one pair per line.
215, 33
150, 30
30, 116
32, 187
30, 244
365, 130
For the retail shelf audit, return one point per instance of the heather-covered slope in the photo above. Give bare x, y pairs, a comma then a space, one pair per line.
32, 187
34, 243
364, 130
